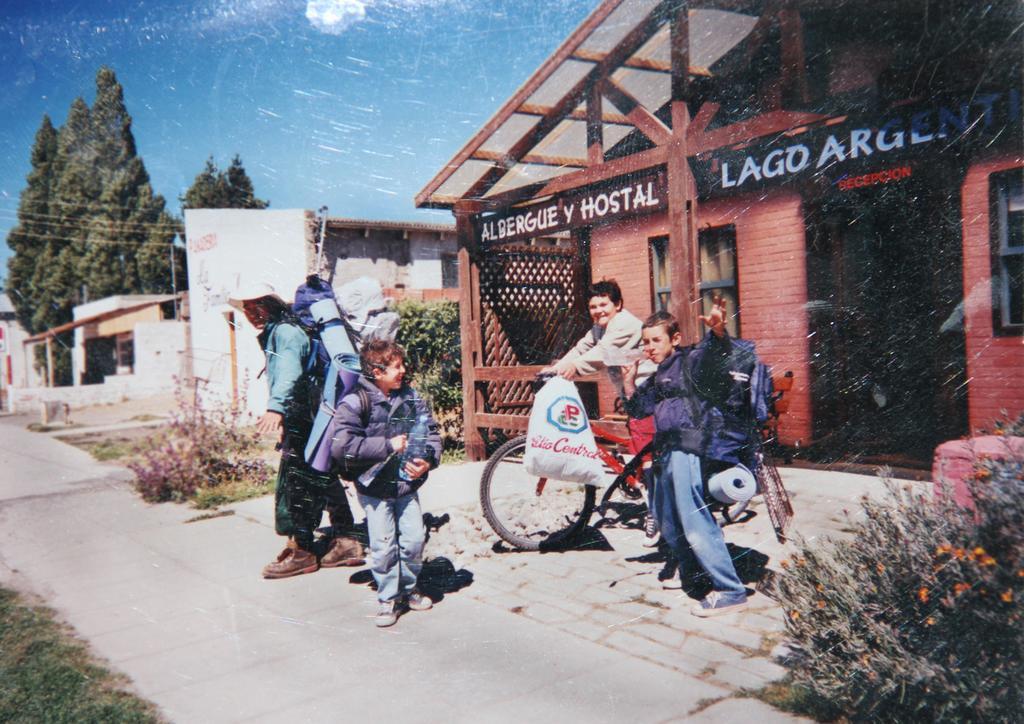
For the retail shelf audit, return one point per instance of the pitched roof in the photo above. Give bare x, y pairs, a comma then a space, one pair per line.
540, 133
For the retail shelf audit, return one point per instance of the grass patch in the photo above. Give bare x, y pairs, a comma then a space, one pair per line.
796, 699
40, 427
230, 492
107, 450
146, 417
453, 456
46, 674
211, 516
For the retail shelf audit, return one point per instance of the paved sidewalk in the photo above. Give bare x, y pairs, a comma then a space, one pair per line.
178, 605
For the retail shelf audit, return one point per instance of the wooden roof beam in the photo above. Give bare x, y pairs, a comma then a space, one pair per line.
635, 38
657, 66
579, 114
636, 163
565, 50
534, 158
643, 119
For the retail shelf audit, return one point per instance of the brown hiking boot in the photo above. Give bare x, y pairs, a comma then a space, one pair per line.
292, 561
344, 551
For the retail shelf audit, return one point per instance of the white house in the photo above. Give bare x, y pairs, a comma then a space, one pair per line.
232, 248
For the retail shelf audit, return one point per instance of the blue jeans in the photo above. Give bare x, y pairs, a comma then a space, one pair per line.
395, 563
687, 525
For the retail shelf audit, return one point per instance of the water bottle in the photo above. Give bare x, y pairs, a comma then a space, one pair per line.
416, 445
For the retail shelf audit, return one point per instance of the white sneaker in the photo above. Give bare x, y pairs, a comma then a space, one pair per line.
651, 533
416, 601
718, 604
387, 614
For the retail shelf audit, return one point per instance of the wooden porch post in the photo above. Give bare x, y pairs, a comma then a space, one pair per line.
49, 361
233, 347
469, 325
682, 192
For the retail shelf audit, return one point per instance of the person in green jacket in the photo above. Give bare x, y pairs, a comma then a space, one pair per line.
301, 493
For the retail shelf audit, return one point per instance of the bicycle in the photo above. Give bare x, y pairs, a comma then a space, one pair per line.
533, 513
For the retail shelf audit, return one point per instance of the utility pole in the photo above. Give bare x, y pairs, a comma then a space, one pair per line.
174, 283
323, 231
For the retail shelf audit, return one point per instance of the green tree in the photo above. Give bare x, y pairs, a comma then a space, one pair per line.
228, 189
90, 225
31, 234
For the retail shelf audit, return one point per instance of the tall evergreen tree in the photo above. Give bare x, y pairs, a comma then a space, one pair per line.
92, 225
30, 236
217, 189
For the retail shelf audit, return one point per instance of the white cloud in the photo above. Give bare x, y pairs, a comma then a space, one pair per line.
335, 16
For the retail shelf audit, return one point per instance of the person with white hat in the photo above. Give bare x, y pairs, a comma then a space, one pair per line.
300, 492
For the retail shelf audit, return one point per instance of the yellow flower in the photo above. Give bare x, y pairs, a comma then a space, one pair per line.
979, 551
785, 564
987, 561
922, 594
930, 621
943, 549
959, 588
959, 553
794, 615
1007, 596
819, 588
821, 604
880, 568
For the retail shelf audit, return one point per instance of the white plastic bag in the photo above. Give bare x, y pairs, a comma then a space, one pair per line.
559, 441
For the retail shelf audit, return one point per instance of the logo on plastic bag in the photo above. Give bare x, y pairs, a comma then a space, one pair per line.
567, 415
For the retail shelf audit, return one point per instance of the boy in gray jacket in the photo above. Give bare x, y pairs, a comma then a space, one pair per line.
372, 434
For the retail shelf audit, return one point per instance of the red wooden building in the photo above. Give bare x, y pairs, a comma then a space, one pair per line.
846, 174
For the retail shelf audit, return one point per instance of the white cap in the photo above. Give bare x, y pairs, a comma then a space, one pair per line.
253, 291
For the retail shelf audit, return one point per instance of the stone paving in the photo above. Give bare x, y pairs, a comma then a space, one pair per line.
608, 590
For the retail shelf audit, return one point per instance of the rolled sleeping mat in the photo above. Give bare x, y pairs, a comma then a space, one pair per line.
333, 332
342, 376
734, 485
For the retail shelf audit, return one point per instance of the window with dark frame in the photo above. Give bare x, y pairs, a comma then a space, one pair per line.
1008, 252
661, 286
126, 350
449, 271
719, 273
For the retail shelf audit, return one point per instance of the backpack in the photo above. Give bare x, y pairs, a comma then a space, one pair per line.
327, 375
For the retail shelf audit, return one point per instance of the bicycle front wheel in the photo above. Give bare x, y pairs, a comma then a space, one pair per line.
527, 512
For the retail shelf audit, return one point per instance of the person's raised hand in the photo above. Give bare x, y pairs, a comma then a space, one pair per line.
716, 317
629, 373
398, 443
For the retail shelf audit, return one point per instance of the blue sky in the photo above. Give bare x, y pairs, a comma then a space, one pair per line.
355, 104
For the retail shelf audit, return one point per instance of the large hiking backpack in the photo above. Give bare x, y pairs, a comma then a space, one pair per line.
332, 368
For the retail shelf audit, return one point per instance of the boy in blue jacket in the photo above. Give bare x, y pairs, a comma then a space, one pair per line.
373, 421
684, 396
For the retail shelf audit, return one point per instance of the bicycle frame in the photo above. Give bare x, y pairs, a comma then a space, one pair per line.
625, 477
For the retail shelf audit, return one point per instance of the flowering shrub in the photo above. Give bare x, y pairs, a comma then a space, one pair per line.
917, 616
200, 449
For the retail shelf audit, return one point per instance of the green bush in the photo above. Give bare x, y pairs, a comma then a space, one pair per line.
429, 332
917, 615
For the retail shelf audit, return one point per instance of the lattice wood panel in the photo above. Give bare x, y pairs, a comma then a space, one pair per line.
532, 311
